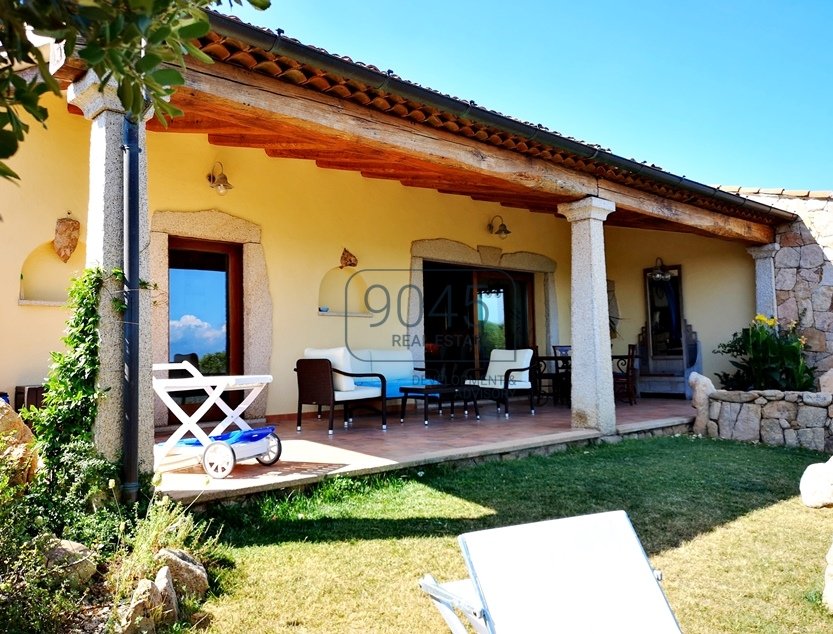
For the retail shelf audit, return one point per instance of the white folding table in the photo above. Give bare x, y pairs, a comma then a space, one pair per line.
214, 387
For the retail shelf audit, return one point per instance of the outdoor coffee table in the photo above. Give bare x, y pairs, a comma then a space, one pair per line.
438, 391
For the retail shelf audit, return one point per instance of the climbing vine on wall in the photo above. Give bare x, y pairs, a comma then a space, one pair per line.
70, 401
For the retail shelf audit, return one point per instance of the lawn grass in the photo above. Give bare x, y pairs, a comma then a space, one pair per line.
739, 552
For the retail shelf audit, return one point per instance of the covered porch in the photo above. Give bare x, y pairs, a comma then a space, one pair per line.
312, 455
326, 153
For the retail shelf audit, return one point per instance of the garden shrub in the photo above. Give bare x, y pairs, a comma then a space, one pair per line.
32, 599
766, 356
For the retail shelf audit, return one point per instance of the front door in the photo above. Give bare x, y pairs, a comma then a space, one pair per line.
205, 321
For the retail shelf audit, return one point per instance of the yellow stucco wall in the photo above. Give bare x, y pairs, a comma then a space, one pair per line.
308, 215
718, 282
52, 164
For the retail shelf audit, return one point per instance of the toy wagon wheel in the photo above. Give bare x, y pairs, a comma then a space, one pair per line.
273, 451
218, 459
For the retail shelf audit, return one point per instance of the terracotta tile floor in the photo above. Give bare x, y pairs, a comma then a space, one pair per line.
364, 447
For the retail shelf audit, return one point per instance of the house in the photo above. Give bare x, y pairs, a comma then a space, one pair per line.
453, 212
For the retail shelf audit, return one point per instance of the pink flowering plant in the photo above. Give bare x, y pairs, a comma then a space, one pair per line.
766, 356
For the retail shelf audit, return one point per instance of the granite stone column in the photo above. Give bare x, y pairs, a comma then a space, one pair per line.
592, 371
105, 249
764, 256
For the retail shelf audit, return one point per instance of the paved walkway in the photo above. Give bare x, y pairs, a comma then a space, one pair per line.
310, 455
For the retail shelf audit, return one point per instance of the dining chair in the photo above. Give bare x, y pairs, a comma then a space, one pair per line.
625, 375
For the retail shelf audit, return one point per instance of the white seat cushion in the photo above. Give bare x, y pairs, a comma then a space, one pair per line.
361, 360
358, 394
340, 359
502, 360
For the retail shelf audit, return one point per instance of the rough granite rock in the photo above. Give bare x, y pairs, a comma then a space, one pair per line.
771, 432
734, 396
714, 410
812, 439
728, 415
826, 382
71, 560
772, 395
790, 438
20, 449
712, 430
188, 574
780, 409
819, 399
144, 611
748, 424
816, 485
809, 416
170, 607
701, 388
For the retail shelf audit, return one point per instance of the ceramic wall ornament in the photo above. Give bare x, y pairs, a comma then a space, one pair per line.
67, 232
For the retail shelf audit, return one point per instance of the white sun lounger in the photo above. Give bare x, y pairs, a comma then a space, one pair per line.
585, 574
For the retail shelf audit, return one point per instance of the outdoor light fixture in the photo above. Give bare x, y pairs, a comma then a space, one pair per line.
218, 180
659, 273
499, 230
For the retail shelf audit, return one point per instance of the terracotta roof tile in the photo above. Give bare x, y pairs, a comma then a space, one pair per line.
822, 194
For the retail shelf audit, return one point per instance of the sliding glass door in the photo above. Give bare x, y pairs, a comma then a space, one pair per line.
469, 312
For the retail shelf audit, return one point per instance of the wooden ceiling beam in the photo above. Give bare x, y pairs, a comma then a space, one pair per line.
708, 222
233, 89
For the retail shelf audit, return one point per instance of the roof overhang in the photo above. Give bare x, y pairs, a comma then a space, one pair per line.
295, 101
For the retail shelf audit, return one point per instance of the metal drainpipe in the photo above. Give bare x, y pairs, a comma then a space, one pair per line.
130, 476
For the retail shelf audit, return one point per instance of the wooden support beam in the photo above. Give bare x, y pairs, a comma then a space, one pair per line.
709, 222
232, 89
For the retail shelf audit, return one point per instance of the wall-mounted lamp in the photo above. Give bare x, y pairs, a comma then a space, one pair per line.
499, 230
659, 273
218, 180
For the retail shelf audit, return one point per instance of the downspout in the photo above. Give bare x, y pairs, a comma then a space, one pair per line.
130, 475
275, 43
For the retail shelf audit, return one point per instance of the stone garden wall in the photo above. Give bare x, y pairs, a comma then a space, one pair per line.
773, 417
804, 269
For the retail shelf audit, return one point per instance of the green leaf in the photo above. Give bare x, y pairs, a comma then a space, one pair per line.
193, 30
125, 93
168, 77
159, 35
92, 54
8, 143
261, 5
197, 53
6, 172
148, 63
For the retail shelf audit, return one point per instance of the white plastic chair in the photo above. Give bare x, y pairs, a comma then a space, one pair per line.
585, 574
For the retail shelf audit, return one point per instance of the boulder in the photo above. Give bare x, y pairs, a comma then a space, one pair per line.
771, 432
701, 388
71, 560
819, 399
780, 409
170, 608
809, 416
826, 382
748, 424
19, 445
816, 485
144, 610
189, 576
734, 396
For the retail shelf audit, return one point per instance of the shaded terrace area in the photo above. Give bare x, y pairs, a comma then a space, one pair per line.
311, 455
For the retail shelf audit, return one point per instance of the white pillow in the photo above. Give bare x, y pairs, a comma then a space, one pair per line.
340, 359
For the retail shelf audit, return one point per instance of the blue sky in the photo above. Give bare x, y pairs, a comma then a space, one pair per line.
733, 92
197, 311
